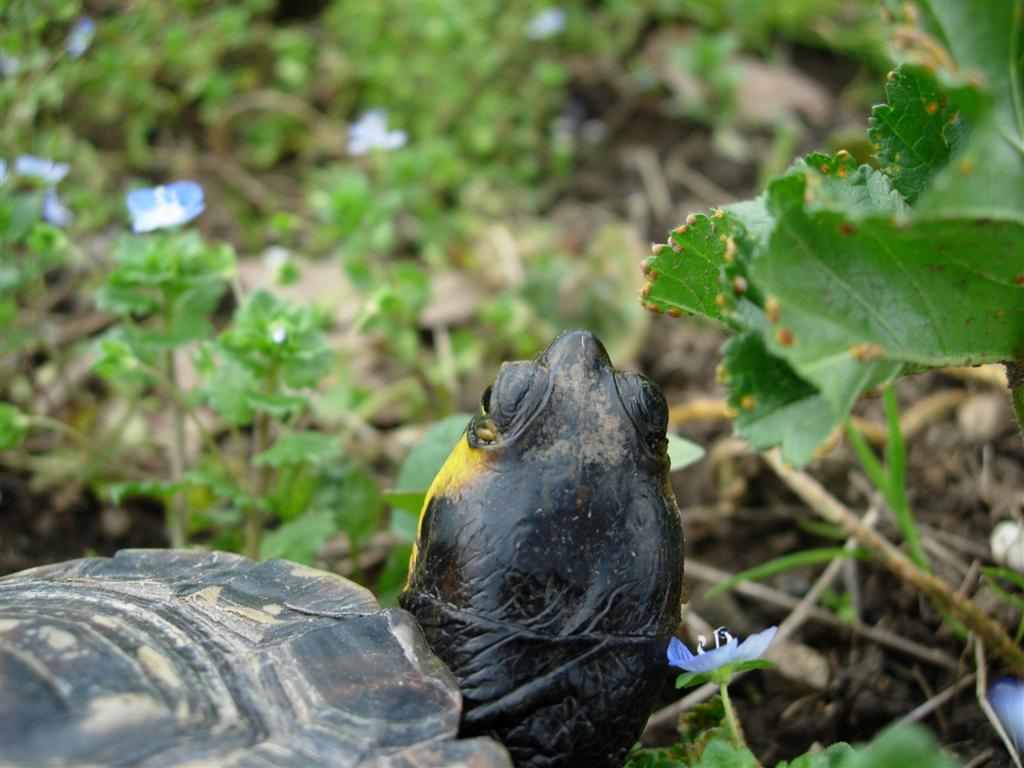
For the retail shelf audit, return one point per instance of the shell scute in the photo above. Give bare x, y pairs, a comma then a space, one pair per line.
168, 658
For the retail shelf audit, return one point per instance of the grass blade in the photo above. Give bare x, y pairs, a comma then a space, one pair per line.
785, 563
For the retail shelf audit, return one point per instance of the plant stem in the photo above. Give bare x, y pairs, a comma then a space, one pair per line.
45, 422
177, 523
989, 631
730, 716
260, 478
253, 514
1015, 378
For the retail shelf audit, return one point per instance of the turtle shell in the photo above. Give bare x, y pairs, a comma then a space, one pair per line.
173, 658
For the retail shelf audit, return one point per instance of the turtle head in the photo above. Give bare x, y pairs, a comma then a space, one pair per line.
562, 433
570, 394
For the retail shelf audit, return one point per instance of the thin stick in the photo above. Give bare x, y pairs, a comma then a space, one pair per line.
922, 711
695, 569
831, 509
1015, 379
802, 610
767, 594
981, 689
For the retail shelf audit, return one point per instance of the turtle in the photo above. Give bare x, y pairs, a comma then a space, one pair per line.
190, 658
548, 563
544, 585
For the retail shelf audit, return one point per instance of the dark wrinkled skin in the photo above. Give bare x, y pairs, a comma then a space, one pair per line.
549, 565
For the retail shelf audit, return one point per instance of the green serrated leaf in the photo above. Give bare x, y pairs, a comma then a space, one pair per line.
835, 183
314, 448
774, 406
269, 334
984, 47
855, 303
126, 300
299, 539
983, 182
227, 391
682, 452
754, 217
976, 58
916, 131
13, 426
117, 358
684, 274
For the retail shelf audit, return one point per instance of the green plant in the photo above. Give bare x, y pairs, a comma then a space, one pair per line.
711, 736
841, 278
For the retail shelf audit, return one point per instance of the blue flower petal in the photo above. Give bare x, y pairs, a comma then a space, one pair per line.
9, 65
54, 210
680, 656
1006, 696
371, 132
164, 206
80, 37
3, 170
678, 653
41, 168
755, 645
733, 651
546, 24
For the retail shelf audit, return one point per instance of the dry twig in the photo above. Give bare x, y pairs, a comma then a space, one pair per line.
981, 689
831, 509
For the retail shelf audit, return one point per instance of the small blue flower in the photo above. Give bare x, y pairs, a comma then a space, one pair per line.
546, 24
41, 168
164, 206
9, 65
727, 650
1006, 696
371, 132
54, 210
80, 37
3, 170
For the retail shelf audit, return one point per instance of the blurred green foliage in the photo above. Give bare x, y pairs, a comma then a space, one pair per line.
274, 422
267, 397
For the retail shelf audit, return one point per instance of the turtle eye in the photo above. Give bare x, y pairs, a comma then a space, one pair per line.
511, 393
508, 404
646, 407
654, 406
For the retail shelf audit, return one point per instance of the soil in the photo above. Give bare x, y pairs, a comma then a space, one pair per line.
965, 472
